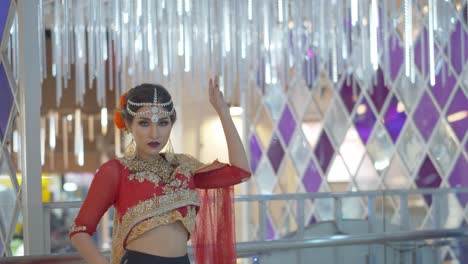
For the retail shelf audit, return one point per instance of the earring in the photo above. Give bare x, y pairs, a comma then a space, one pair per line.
169, 152
130, 150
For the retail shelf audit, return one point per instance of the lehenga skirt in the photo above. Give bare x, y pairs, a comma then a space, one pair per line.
135, 257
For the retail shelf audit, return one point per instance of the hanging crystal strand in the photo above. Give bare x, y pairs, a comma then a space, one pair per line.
116, 46
137, 28
123, 45
165, 40
131, 36
65, 142
57, 52
187, 37
65, 35
110, 55
79, 146
385, 37
151, 37
101, 55
373, 29
42, 42
344, 32
408, 36
228, 50
90, 38
172, 39
333, 32
80, 50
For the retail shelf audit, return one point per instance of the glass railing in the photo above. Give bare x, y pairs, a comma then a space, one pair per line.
376, 226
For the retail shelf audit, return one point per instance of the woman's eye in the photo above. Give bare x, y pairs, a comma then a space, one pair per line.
164, 123
143, 123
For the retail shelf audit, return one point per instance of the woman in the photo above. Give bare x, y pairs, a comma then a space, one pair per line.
154, 194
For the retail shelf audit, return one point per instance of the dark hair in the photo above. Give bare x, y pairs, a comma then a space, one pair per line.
144, 93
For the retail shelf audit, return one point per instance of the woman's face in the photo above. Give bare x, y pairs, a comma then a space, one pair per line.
150, 138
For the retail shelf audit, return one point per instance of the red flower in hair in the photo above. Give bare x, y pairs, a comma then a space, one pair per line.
119, 120
122, 100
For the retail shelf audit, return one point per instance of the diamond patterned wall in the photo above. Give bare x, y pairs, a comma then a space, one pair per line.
319, 136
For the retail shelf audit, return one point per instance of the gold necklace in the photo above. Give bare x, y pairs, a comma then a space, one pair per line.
152, 170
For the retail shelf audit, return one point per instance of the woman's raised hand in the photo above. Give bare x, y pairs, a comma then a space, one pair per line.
216, 96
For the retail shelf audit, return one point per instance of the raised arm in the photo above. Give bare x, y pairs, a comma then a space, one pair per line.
237, 156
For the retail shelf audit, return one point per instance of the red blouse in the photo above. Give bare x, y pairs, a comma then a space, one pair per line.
144, 200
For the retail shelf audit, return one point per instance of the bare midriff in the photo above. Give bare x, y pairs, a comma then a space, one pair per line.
165, 241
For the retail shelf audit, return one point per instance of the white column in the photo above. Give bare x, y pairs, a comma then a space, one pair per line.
30, 94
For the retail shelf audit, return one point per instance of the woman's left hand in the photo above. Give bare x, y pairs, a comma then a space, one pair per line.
216, 96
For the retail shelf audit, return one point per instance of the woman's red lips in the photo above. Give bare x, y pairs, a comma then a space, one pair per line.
153, 144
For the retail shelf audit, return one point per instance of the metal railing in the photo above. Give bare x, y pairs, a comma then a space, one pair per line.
259, 244
372, 198
247, 249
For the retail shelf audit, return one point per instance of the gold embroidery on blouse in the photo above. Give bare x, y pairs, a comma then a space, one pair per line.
176, 195
153, 207
152, 170
160, 170
75, 228
117, 247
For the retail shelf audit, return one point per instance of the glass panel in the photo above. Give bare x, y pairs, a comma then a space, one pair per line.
275, 152
325, 209
338, 172
353, 208
397, 177
394, 118
417, 210
300, 152
264, 128
458, 177
289, 226
409, 92
265, 177
350, 91
274, 99
411, 148
364, 120
444, 83
336, 122
443, 147
457, 114
379, 91
380, 149
288, 178
277, 210
352, 150
454, 215
255, 152
367, 177
298, 96
287, 125
311, 179
323, 95
324, 151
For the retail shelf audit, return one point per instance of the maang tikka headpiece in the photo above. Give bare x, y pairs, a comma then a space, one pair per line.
155, 108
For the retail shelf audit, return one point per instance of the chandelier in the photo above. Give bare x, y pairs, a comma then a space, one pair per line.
117, 44
120, 43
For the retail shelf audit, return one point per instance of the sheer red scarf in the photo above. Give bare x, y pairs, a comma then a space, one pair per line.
214, 240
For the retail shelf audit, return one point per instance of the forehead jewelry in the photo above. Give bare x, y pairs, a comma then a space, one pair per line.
155, 108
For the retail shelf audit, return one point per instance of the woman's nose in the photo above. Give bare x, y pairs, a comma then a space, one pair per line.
154, 130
